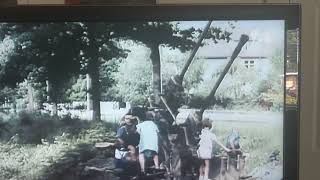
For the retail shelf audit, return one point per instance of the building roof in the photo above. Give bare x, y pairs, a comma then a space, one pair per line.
227, 57
223, 49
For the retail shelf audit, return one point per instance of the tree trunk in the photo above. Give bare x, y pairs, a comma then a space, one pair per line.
94, 89
32, 104
93, 74
54, 109
48, 89
156, 74
89, 96
51, 98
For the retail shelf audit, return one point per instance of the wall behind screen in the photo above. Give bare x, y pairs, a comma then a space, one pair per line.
93, 2
220, 1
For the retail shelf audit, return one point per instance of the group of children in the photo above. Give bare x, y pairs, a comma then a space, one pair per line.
143, 134
137, 133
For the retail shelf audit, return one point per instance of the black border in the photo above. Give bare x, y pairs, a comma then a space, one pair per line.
136, 13
290, 13
290, 123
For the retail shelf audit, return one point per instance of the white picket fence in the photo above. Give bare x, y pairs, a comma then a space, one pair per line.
110, 111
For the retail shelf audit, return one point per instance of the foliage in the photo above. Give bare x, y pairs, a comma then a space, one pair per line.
52, 53
107, 76
239, 82
170, 35
238, 85
39, 51
257, 139
99, 45
6, 94
6, 47
63, 144
248, 87
271, 90
173, 62
134, 78
33, 128
78, 90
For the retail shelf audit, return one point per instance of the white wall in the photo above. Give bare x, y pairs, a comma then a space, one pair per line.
310, 100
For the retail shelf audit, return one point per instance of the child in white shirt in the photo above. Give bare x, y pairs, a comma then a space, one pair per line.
205, 148
148, 145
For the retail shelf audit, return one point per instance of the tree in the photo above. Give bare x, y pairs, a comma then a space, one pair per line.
135, 73
61, 50
77, 92
271, 89
107, 76
43, 46
133, 80
38, 55
168, 34
98, 45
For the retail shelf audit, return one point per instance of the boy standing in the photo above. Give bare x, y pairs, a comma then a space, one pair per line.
148, 145
205, 148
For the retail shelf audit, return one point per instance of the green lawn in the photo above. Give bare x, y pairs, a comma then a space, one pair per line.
257, 139
19, 161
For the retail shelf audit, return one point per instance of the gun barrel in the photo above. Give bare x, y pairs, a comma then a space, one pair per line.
243, 40
194, 51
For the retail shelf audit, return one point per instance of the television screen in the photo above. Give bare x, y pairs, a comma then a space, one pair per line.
148, 95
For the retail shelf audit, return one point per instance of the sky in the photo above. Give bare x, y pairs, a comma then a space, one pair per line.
266, 35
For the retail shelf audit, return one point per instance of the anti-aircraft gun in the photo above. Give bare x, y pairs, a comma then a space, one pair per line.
178, 133
183, 131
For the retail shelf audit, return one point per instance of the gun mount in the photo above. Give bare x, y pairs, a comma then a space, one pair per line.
186, 126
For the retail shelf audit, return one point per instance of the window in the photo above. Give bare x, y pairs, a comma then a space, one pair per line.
249, 64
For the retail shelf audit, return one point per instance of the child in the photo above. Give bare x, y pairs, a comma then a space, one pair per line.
127, 140
148, 145
233, 140
205, 148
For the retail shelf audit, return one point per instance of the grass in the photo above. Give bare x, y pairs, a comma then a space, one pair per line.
25, 159
257, 139
28, 160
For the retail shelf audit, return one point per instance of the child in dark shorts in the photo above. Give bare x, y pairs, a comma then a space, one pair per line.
148, 144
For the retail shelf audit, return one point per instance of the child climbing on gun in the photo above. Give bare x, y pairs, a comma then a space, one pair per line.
207, 138
148, 145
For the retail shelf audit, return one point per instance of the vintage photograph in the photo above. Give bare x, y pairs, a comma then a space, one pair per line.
161, 100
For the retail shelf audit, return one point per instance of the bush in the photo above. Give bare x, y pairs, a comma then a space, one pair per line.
33, 128
48, 147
